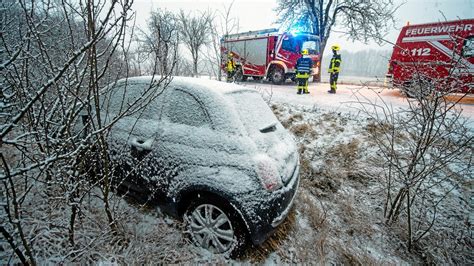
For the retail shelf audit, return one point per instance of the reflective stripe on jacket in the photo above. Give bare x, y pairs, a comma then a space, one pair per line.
303, 65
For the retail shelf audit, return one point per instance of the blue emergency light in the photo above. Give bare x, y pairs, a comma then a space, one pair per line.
297, 29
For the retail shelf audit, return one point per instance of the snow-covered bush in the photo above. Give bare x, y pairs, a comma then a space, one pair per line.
426, 153
56, 56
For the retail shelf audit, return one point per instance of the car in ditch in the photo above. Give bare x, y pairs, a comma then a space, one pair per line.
208, 152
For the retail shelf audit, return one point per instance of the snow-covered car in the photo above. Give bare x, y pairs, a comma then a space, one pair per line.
209, 152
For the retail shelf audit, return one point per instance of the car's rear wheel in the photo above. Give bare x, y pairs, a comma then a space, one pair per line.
215, 226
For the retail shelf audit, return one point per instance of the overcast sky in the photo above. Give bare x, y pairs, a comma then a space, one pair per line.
260, 14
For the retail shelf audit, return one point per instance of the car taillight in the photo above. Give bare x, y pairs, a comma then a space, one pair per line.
268, 173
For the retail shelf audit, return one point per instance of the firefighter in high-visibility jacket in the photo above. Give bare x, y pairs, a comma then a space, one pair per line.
303, 70
230, 67
334, 68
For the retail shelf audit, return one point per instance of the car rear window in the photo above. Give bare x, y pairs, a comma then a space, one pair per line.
253, 111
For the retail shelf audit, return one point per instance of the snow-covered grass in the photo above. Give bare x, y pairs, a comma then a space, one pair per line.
335, 218
339, 211
144, 234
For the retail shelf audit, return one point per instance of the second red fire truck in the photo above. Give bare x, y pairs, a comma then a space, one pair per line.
269, 54
441, 52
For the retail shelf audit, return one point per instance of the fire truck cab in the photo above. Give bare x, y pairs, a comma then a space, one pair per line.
440, 52
269, 54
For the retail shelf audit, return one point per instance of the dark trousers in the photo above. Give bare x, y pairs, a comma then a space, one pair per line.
230, 75
302, 82
333, 80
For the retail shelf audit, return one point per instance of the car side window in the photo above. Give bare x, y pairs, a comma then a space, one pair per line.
468, 47
183, 108
146, 101
117, 100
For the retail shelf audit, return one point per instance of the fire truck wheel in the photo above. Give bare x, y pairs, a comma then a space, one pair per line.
407, 90
277, 75
419, 89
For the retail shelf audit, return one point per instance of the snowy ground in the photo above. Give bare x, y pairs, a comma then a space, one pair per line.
337, 217
339, 212
347, 97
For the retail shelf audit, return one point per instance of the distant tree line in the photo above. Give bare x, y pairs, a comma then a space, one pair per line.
169, 36
365, 63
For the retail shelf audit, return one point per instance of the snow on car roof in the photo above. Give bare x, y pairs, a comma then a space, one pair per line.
213, 94
213, 85
196, 84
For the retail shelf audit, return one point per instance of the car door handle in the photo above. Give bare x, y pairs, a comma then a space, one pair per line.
141, 144
140, 147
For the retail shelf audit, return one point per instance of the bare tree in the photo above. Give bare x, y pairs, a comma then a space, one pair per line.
162, 41
195, 31
184, 67
138, 60
361, 19
223, 24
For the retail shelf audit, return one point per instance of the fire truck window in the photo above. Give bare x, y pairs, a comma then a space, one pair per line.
296, 44
311, 46
468, 48
289, 45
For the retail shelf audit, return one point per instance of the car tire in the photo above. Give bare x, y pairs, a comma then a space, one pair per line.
215, 226
277, 75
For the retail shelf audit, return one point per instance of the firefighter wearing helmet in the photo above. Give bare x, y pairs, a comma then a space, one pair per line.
303, 70
230, 66
334, 68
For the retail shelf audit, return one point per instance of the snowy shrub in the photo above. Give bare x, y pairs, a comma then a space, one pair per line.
425, 151
56, 58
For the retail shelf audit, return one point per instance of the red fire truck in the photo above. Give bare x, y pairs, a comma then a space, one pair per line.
269, 54
440, 52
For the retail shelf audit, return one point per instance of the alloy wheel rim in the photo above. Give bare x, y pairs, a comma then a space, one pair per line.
211, 228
